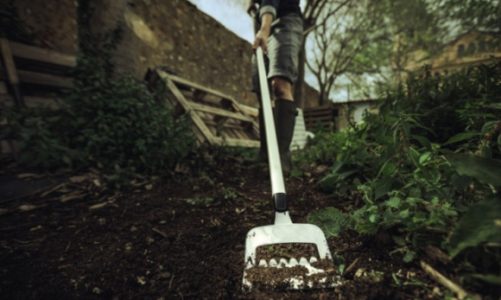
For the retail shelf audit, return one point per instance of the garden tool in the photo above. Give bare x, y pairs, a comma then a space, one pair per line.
283, 231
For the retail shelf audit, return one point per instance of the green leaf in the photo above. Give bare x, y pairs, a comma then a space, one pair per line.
424, 157
409, 256
463, 136
424, 141
393, 202
331, 220
373, 218
329, 182
387, 169
414, 155
494, 105
486, 170
404, 213
489, 278
489, 126
478, 225
382, 187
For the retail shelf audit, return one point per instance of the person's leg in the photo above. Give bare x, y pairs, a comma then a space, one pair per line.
283, 52
285, 118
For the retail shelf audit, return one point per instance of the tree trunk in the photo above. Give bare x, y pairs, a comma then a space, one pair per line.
321, 96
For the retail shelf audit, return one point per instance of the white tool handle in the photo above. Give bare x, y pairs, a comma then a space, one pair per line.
277, 180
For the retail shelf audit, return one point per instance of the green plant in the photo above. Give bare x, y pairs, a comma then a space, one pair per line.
107, 121
119, 125
426, 169
36, 132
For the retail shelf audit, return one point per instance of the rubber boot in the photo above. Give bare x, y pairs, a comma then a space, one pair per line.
285, 120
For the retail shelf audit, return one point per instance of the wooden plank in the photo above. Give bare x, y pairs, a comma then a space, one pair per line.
318, 115
322, 123
328, 118
3, 88
318, 112
45, 79
225, 98
8, 62
44, 55
319, 119
240, 134
225, 125
196, 119
188, 83
236, 143
202, 115
10, 68
249, 110
219, 112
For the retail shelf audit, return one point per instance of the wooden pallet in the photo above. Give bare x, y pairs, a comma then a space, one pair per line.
29, 76
217, 118
22, 65
323, 117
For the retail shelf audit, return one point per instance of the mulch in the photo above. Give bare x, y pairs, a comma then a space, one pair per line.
177, 238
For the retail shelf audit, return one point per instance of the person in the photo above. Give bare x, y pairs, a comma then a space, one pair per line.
279, 31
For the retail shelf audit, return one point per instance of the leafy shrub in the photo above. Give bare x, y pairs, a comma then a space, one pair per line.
426, 165
114, 125
36, 134
107, 121
119, 125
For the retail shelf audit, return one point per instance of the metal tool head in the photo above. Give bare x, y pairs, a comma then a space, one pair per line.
303, 273
313, 276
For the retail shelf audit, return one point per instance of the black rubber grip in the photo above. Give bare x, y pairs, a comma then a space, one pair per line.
280, 201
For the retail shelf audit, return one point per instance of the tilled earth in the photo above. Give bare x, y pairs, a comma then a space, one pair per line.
176, 239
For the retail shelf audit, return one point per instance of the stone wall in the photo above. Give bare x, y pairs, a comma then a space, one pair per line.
169, 33
193, 45
175, 34
52, 24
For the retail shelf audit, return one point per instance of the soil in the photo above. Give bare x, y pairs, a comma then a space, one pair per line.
286, 251
180, 238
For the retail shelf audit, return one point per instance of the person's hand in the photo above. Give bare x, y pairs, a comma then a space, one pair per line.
261, 40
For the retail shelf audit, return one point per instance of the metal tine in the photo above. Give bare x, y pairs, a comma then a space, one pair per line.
293, 262
262, 263
303, 261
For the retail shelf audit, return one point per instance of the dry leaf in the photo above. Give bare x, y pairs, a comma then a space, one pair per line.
26, 175
69, 197
57, 187
27, 207
78, 179
97, 182
141, 280
98, 205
